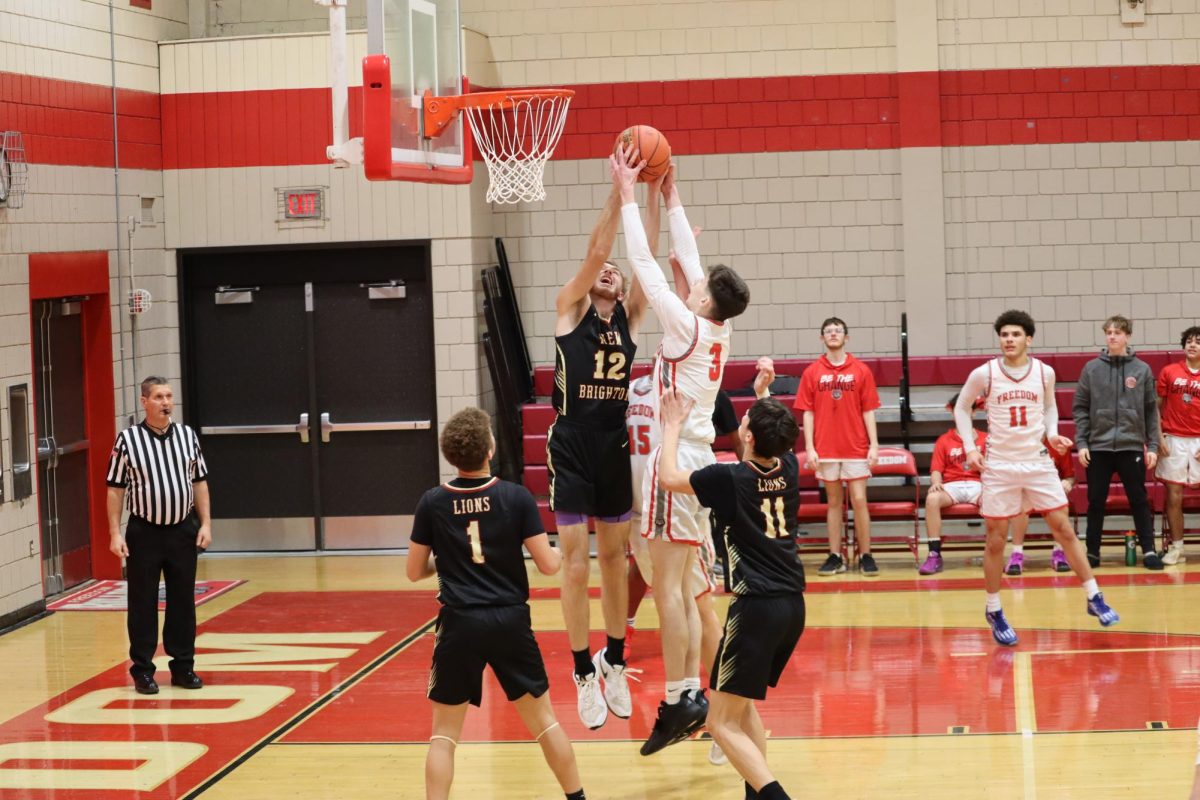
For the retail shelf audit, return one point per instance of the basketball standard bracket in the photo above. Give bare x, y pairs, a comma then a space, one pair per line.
344, 151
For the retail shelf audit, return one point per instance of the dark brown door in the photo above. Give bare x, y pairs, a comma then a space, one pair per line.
62, 444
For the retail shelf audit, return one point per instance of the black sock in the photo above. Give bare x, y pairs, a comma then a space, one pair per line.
583, 662
773, 791
615, 651
576, 795
935, 545
750, 793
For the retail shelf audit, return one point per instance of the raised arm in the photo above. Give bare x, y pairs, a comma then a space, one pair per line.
569, 303
683, 238
635, 300
673, 410
676, 319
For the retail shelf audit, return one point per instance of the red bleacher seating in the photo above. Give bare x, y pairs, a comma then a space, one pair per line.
896, 462
948, 371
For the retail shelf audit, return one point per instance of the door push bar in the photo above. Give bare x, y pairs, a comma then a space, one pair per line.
328, 428
225, 430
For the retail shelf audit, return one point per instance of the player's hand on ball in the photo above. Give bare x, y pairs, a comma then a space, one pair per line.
1060, 443
625, 166
673, 409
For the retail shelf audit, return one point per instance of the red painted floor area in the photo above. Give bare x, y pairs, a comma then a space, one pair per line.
94, 752
840, 682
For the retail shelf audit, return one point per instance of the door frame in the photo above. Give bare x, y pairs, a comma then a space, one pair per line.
53, 275
187, 324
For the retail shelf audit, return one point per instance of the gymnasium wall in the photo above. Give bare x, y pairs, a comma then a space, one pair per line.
55, 87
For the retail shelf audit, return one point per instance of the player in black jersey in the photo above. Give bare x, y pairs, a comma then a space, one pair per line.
587, 454
756, 503
474, 526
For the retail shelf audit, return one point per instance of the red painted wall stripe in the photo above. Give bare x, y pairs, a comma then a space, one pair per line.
70, 123
747, 115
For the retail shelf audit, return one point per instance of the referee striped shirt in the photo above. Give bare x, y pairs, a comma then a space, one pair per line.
158, 471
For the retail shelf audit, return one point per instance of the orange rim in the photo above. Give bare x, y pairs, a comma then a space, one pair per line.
440, 111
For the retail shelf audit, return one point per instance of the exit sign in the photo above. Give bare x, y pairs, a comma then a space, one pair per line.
305, 203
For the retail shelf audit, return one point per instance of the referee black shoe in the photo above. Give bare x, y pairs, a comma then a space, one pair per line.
187, 680
145, 684
673, 724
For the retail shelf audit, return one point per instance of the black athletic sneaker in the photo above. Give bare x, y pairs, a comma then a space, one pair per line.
1152, 561
1093, 560
673, 724
701, 700
832, 566
867, 565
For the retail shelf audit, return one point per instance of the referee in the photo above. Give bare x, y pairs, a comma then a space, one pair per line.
159, 466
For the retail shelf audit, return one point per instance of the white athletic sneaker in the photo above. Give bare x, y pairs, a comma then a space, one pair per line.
716, 756
592, 710
616, 687
1174, 554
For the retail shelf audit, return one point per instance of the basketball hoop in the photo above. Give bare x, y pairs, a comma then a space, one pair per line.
516, 131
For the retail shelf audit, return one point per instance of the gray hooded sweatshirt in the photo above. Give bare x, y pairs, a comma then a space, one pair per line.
1115, 404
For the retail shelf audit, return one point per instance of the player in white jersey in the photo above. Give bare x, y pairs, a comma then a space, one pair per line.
690, 361
1018, 474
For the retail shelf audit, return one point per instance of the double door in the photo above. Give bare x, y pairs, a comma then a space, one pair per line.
311, 382
62, 443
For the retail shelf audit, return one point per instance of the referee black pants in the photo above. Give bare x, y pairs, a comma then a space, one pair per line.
1131, 467
170, 551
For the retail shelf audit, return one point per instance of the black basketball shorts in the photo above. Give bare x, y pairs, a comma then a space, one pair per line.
589, 470
467, 639
760, 635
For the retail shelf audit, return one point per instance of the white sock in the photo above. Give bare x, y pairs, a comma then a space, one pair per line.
692, 685
993, 601
1091, 588
629, 622
1018, 548
675, 691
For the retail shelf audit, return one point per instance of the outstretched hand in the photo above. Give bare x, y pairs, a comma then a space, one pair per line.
673, 409
625, 165
765, 376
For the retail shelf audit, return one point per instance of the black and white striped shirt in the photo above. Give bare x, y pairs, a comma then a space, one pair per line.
158, 471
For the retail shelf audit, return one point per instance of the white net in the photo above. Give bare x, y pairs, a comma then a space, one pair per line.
516, 135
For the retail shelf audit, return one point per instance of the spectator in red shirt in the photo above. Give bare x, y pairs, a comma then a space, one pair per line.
951, 482
838, 397
1019, 525
1178, 389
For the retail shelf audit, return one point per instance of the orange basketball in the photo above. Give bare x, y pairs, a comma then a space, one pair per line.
653, 147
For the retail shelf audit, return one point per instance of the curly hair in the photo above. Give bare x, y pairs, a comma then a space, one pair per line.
1014, 317
1191, 333
467, 439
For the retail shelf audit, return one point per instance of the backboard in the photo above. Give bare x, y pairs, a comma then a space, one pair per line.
414, 47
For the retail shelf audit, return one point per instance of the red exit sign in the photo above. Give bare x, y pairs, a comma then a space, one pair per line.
303, 203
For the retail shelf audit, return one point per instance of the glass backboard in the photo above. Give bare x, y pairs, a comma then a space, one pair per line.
422, 40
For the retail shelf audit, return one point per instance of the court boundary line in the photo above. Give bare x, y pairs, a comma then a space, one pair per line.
311, 709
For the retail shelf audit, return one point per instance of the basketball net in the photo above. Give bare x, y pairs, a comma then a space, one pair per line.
516, 132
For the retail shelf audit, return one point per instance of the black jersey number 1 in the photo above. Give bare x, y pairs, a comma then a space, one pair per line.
476, 544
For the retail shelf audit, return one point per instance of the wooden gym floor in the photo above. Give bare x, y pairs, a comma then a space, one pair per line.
316, 671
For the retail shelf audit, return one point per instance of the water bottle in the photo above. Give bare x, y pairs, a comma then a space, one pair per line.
1130, 549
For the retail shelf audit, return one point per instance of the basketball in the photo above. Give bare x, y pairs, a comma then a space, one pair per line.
652, 145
